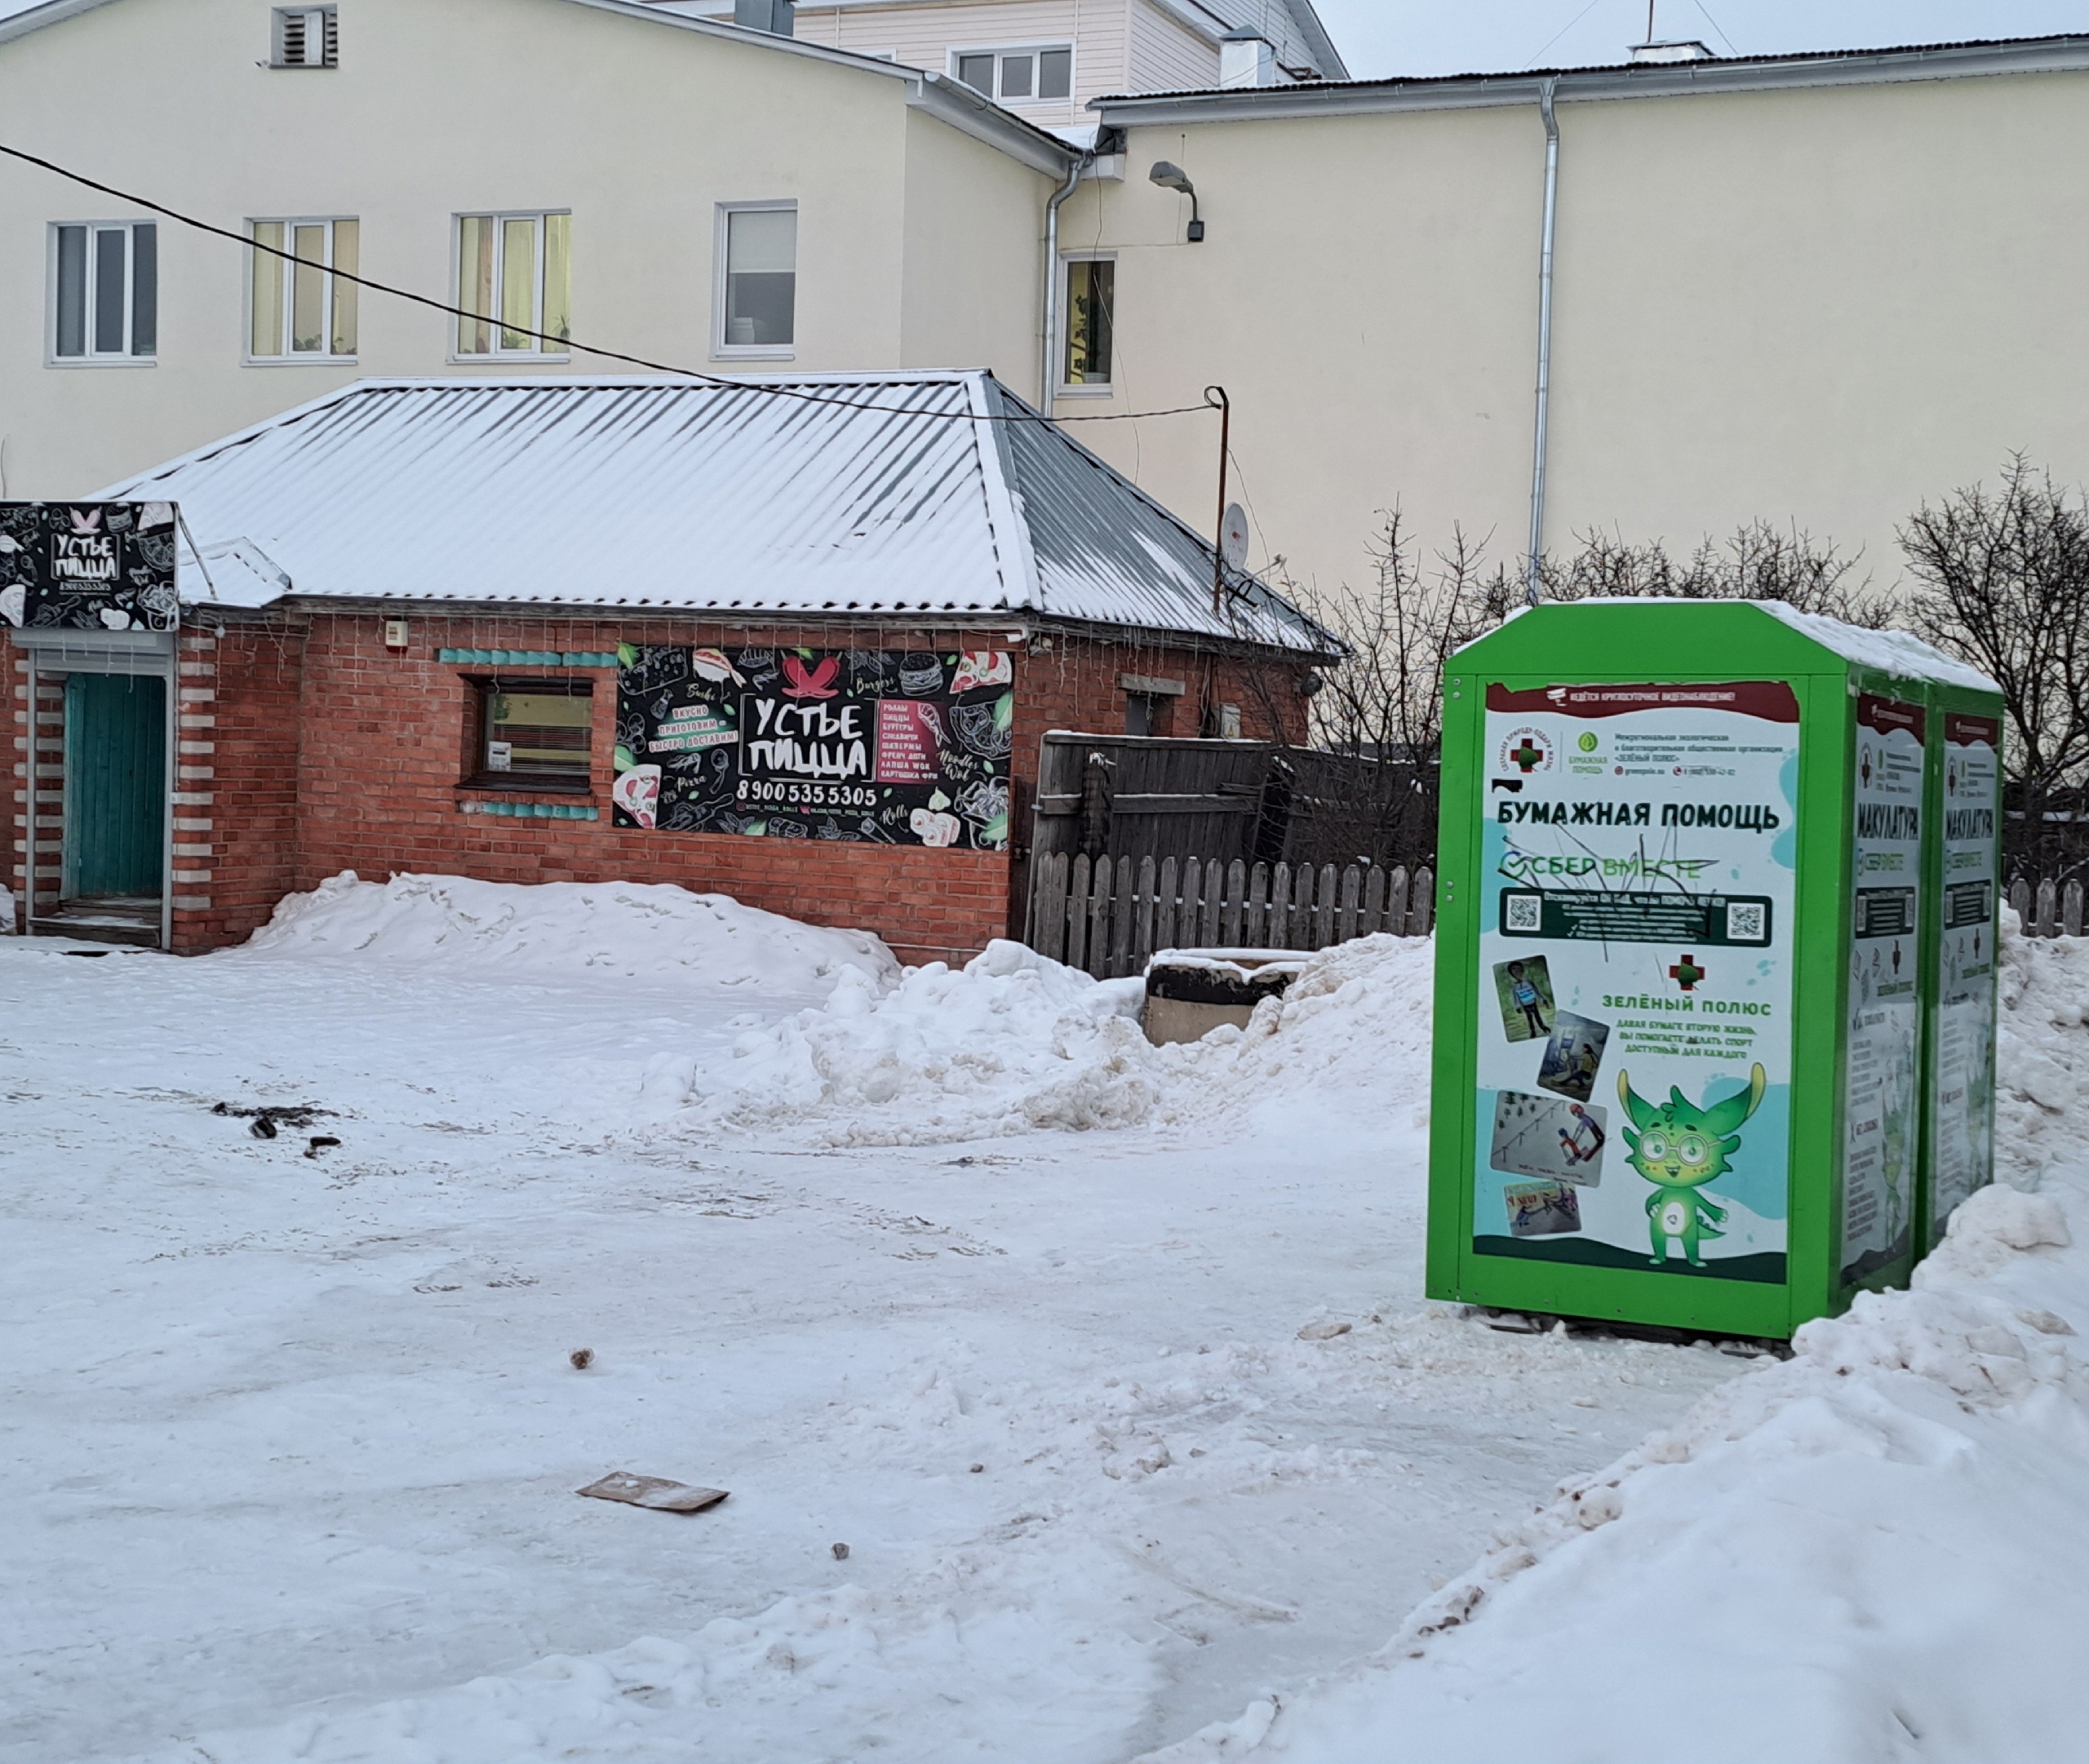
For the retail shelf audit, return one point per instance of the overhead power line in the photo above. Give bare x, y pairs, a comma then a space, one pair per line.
766, 387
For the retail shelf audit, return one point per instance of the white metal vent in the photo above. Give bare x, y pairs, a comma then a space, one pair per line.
306, 37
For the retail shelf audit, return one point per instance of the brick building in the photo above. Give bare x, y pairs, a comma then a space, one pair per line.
795, 642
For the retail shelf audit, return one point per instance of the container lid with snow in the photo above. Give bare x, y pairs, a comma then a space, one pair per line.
1715, 986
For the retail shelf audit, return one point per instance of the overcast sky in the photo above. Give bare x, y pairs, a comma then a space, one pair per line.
1387, 37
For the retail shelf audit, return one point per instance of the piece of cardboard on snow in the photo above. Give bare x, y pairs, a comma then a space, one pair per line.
655, 1492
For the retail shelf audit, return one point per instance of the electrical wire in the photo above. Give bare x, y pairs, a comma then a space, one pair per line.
1717, 26
1569, 25
767, 388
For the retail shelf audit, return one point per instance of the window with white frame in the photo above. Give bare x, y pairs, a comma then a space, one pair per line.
514, 277
299, 309
104, 291
1090, 322
1037, 72
305, 37
758, 278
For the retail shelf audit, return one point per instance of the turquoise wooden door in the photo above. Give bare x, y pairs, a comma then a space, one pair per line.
115, 784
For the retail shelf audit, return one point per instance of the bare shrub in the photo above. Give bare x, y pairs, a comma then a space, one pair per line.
2002, 582
1756, 562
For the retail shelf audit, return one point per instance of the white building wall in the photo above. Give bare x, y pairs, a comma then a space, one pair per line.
1812, 307
639, 128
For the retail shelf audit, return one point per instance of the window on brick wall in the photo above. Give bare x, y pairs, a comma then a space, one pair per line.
536, 734
1148, 713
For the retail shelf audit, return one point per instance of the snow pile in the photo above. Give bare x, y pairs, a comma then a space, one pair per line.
948, 1680
1015, 1043
1011, 1042
1872, 1550
1355, 1023
636, 930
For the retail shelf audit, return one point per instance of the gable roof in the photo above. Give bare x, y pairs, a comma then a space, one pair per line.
947, 100
863, 495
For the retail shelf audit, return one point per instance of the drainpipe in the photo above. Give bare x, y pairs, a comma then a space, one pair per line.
1544, 338
1045, 377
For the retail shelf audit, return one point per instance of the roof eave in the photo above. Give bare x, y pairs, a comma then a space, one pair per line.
972, 113
1325, 55
50, 12
1871, 67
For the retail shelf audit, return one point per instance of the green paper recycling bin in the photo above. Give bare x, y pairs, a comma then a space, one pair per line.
1715, 962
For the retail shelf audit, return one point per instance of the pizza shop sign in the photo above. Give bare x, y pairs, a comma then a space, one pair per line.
88, 566
890, 747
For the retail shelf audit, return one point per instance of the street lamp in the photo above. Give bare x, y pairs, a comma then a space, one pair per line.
1171, 176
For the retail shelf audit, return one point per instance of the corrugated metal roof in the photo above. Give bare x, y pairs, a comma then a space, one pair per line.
873, 493
1971, 57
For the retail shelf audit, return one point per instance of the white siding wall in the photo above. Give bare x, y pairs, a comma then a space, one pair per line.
924, 36
1166, 56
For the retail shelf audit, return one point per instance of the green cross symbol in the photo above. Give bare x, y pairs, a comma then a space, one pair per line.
1686, 973
1525, 755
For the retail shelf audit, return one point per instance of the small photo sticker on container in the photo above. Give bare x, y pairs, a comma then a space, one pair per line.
1572, 1055
1523, 990
1542, 1209
1548, 1136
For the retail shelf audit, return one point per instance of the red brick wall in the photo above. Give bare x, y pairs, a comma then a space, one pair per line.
36, 753
236, 777
306, 747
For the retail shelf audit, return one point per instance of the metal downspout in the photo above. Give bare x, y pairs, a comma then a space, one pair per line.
1051, 302
1536, 553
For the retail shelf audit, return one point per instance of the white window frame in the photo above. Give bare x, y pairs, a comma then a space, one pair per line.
722, 350
51, 357
537, 352
1062, 388
1001, 52
322, 358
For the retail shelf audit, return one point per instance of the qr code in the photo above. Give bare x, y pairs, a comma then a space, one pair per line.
1521, 912
1745, 921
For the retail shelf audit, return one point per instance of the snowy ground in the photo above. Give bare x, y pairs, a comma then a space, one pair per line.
965, 1277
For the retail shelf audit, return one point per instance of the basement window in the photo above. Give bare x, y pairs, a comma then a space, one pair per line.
536, 734
305, 36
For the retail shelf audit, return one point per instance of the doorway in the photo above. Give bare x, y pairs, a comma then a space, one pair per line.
114, 870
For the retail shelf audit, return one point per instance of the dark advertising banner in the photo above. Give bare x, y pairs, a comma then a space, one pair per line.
900, 747
88, 566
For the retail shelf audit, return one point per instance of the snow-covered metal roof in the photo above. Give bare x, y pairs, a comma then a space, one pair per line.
908, 493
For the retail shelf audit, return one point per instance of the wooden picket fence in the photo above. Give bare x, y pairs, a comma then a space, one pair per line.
2048, 910
1108, 914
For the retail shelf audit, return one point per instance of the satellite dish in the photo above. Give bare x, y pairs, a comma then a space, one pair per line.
1233, 535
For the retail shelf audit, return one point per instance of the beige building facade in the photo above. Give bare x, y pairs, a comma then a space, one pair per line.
1813, 290
678, 191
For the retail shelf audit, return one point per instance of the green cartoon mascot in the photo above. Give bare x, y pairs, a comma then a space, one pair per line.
1679, 1148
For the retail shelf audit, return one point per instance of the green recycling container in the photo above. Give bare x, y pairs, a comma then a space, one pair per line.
1715, 979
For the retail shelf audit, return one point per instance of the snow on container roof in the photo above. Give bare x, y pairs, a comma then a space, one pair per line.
864, 493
